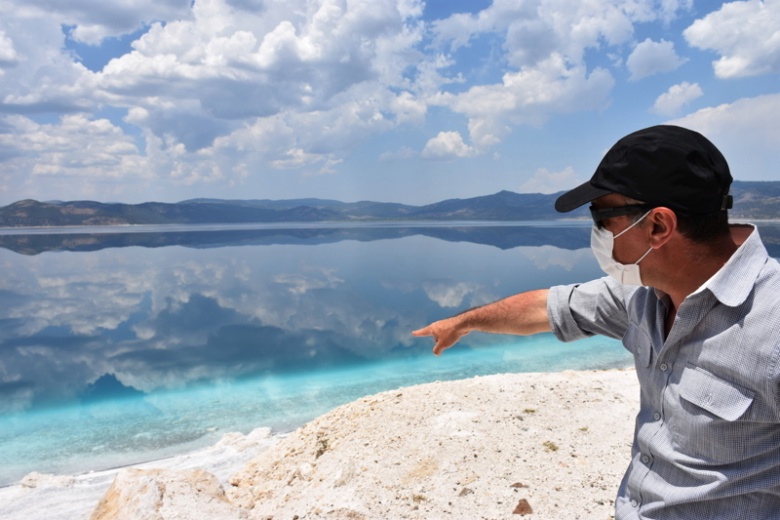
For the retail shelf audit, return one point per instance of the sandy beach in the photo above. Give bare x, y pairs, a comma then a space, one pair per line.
540, 446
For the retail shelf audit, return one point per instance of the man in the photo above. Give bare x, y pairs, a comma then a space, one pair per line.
697, 302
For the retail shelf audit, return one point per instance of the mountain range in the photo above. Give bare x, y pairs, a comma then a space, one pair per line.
752, 200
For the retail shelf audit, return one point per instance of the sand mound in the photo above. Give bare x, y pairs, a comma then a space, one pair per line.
555, 444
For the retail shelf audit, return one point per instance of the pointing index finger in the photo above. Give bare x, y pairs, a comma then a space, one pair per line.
425, 331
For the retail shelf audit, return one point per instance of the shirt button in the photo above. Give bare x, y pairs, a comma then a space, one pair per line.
634, 503
645, 459
664, 367
657, 416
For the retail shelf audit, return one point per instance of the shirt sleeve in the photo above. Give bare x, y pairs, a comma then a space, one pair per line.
582, 310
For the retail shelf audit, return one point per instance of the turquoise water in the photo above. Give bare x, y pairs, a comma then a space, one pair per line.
80, 438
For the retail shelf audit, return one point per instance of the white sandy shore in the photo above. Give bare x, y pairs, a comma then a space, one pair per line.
470, 449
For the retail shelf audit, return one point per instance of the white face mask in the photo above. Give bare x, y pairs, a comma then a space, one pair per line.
602, 243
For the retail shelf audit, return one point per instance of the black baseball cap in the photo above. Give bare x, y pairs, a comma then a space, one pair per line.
662, 165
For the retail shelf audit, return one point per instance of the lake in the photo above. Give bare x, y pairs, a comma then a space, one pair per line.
122, 345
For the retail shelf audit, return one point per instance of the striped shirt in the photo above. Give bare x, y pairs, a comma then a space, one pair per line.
707, 436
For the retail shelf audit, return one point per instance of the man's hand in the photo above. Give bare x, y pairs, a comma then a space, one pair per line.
445, 333
522, 314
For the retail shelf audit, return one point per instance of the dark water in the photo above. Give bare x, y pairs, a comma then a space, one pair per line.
122, 345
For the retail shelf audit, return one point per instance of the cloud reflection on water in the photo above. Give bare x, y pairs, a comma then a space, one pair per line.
167, 316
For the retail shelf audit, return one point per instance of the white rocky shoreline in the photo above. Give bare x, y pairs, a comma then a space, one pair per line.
539, 446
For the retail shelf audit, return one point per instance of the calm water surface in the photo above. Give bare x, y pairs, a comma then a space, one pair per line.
124, 345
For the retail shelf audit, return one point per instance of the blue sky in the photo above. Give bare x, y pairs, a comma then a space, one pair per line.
386, 100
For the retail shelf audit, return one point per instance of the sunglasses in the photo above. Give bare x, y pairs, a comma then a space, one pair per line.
600, 215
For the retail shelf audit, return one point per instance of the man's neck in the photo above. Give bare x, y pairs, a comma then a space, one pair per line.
697, 263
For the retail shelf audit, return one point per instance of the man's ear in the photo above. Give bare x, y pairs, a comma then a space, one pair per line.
663, 224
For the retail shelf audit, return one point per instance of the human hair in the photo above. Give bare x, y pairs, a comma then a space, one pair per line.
696, 227
703, 227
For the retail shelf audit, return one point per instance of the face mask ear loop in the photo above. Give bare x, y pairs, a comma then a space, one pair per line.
640, 219
643, 256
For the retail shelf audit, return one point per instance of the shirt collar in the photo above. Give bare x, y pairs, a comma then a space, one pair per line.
733, 282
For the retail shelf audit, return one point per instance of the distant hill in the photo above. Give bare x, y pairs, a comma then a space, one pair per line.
756, 200
752, 200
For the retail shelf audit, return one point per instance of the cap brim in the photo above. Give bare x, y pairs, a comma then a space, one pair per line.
582, 194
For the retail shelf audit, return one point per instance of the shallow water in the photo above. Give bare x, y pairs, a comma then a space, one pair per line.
79, 438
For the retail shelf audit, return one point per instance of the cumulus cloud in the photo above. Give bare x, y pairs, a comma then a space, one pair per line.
545, 181
447, 294
744, 34
529, 97
268, 61
301, 283
669, 9
98, 143
539, 28
76, 146
333, 66
297, 158
210, 82
93, 21
650, 57
447, 145
745, 131
7, 52
44, 78
671, 102
545, 42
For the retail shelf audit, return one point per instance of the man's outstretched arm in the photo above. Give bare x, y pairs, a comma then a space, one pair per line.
522, 314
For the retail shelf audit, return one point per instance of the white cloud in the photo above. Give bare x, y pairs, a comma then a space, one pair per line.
545, 42
7, 52
528, 96
746, 36
327, 60
447, 145
282, 57
44, 78
671, 102
50, 156
76, 144
650, 57
300, 283
208, 85
460, 28
94, 21
298, 158
746, 131
538, 28
545, 181
669, 9
448, 295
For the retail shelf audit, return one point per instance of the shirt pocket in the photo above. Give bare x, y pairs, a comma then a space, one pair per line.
708, 423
